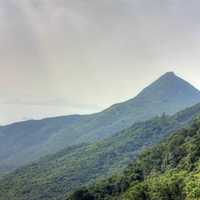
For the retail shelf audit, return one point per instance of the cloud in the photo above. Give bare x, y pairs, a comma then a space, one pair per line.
51, 102
95, 52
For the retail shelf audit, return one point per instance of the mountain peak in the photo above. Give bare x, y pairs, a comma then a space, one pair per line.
169, 74
172, 89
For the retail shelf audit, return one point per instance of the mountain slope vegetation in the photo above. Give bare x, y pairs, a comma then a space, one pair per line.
27, 141
55, 176
168, 171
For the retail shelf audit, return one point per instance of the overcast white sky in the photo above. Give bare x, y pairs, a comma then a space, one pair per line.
61, 57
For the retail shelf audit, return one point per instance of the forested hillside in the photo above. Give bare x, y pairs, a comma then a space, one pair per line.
168, 171
99, 100
53, 177
27, 141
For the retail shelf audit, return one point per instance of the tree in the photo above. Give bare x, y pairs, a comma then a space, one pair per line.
82, 194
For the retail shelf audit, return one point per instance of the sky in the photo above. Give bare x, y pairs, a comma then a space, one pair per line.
64, 57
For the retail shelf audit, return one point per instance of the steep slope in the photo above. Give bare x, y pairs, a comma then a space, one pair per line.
27, 141
168, 171
56, 175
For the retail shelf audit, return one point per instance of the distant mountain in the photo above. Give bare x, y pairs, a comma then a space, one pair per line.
168, 171
23, 142
54, 176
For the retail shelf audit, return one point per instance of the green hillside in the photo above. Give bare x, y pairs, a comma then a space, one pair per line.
27, 141
168, 171
53, 177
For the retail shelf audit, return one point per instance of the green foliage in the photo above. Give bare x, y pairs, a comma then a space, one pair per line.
138, 192
192, 188
83, 194
55, 176
164, 187
168, 171
22, 143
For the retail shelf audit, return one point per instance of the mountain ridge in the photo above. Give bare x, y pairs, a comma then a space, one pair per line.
54, 176
27, 141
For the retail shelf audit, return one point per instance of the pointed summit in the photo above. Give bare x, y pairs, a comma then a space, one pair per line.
169, 74
169, 93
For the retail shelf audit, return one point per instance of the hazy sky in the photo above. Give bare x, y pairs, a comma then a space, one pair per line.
79, 56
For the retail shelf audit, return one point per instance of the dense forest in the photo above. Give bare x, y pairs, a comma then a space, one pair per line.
55, 176
168, 171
